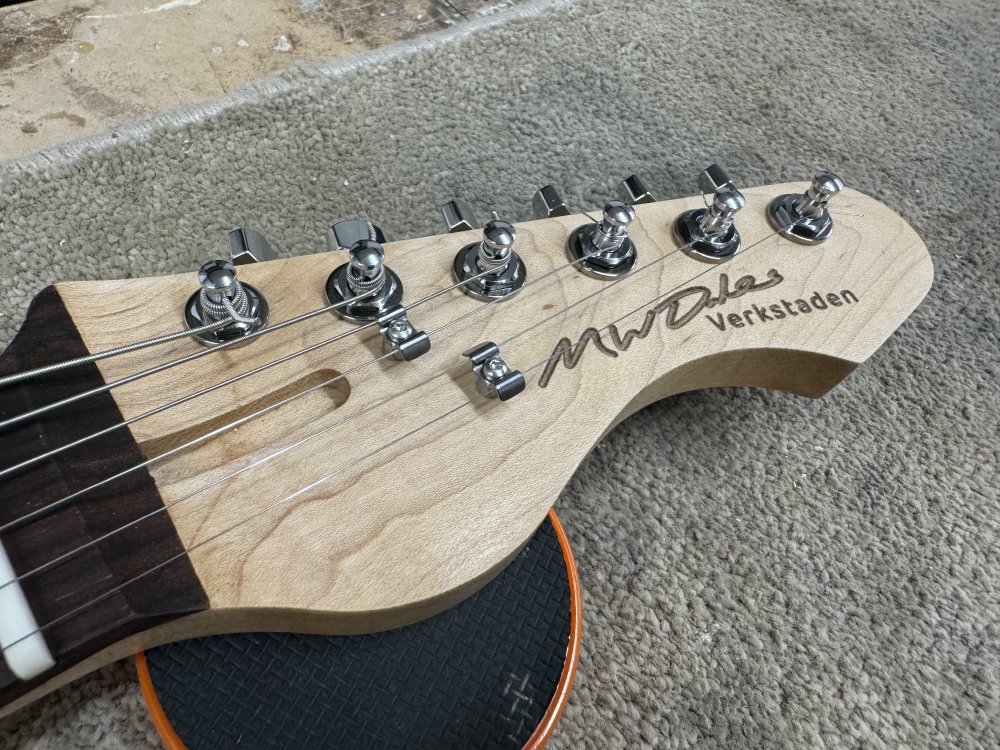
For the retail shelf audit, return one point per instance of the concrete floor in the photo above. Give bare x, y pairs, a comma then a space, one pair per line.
70, 68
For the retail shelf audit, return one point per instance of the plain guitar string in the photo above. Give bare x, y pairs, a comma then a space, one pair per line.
222, 384
312, 485
55, 505
39, 512
205, 352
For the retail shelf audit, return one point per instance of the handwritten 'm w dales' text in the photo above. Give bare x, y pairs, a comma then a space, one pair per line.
682, 307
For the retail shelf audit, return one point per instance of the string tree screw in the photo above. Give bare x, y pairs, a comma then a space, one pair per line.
372, 286
709, 234
400, 337
604, 249
494, 378
805, 217
223, 296
490, 269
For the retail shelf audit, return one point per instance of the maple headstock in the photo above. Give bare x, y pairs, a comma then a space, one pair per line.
393, 489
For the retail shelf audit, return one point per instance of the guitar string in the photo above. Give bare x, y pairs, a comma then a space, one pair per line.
17, 523
135, 346
205, 352
352, 464
55, 505
229, 381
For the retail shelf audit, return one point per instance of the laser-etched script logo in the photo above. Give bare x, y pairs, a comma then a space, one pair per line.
681, 307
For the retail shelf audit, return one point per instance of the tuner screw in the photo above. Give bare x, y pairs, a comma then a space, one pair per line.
490, 269
709, 234
603, 249
223, 297
805, 218
365, 280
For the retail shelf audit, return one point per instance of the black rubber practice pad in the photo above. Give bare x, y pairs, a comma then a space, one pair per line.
480, 674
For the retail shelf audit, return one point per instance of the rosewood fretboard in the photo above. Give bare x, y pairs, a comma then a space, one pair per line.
49, 335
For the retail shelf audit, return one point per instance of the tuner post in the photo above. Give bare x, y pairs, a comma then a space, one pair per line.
364, 288
603, 249
709, 234
223, 297
805, 218
490, 269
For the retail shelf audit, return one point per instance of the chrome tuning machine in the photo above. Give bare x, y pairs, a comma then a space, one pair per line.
805, 217
223, 296
604, 249
494, 378
710, 233
364, 287
488, 269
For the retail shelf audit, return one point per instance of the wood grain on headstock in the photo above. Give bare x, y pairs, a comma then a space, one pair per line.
421, 525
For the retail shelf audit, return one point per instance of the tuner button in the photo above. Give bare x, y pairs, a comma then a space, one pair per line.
634, 190
247, 246
343, 234
712, 178
458, 216
548, 202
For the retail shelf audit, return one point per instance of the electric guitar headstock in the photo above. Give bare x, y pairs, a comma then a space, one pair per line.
350, 441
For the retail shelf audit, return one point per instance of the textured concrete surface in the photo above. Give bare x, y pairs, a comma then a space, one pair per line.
760, 570
70, 68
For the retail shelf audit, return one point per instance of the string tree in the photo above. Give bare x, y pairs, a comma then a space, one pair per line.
603, 249
709, 234
805, 217
494, 377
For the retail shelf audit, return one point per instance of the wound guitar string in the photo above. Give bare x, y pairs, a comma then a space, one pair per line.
309, 487
229, 381
62, 502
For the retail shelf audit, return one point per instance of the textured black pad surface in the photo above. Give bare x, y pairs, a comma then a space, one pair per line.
480, 674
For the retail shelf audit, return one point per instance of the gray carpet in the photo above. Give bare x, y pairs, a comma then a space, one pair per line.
760, 570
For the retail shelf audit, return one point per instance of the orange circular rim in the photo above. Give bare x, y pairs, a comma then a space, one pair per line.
541, 735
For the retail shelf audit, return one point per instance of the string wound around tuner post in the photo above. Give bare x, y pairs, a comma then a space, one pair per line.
709, 234
805, 217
